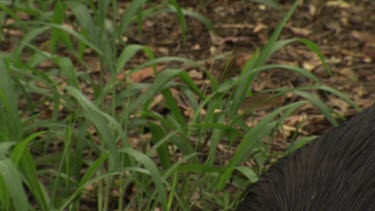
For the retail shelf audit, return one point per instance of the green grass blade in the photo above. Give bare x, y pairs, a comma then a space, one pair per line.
160, 81
127, 54
10, 122
257, 60
319, 87
31, 35
129, 13
92, 169
298, 70
190, 82
163, 151
320, 104
30, 177
68, 71
310, 44
248, 172
105, 124
248, 143
206, 22
21, 147
85, 179
11, 178
5, 148
94, 113
266, 51
172, 105
154, 172
75, 34
315, 48
87, 23
181, 18
294, 146
58, 35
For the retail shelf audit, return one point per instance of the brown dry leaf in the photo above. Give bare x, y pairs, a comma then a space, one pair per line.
300, 31
369, 50
194, 74
142, 74
312, 9
47, 64
147, 72
363, 36
349, 74
241, 60
93, 62
157, 100
259, 27
215, 39
196, 47
339, 4
339, 104
312, 60
235, 26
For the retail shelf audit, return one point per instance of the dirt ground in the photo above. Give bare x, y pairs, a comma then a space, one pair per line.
344, 31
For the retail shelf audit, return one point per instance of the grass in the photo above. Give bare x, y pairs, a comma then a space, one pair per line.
67, 133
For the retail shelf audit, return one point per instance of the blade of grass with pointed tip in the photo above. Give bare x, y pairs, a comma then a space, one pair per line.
294, 146
127, 54
75, 34
319, 87
265, 53
10, 122
87, 23
5, 147
95, 31
103, 123
190, 82
85, 181
154, 172
30, 177
163, 151
68, 70
327, 112
248, 172
206, 22
94, 110
257, 60
28, 38
12, 180
310, 44
181, 17
21, 147
298, 70
340, 95
248, 142
58, 35
172, 105
164, 77
129, 13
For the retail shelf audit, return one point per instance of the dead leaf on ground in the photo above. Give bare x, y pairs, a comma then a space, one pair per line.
147, 72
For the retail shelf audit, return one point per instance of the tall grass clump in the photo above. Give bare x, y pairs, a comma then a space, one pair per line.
75, 137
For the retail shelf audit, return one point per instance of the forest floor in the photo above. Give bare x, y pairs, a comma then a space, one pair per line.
344, 31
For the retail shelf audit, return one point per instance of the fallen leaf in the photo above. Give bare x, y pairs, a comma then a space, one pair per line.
349, 74
142, 74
